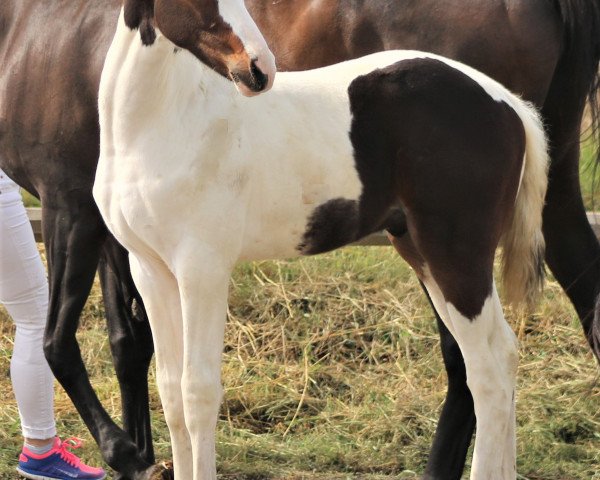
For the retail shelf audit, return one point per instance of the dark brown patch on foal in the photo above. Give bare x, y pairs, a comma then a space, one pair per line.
438, 158
457, 157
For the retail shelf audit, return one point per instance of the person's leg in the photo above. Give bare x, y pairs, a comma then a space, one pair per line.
24, 292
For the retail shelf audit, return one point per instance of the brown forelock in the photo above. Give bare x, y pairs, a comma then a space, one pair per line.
197, 26
139, 14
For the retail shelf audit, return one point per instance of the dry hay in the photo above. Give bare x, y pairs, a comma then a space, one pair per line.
332, 370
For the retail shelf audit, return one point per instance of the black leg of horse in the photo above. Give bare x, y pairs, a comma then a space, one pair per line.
572, 249
130, 341
457, 420
73, 243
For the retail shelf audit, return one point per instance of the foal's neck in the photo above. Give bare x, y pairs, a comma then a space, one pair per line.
162, 79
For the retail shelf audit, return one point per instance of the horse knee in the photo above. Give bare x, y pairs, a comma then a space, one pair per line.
504, 343
492, 380
202, 398
63, 357
170, 396
132, 356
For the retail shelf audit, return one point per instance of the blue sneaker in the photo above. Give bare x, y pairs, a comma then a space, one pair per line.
57, 464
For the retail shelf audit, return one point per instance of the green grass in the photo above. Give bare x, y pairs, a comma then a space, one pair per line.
332, 370
29, 199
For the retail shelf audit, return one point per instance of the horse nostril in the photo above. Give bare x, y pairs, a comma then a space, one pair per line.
261, 80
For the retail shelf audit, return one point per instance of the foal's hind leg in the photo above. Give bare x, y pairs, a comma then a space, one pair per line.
489, 348
457, 420
473, 315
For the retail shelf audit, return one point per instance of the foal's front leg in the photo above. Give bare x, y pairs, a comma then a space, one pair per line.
203, 282
159, 290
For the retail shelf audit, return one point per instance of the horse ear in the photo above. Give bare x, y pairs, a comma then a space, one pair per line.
139, 14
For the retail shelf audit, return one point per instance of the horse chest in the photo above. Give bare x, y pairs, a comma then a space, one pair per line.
157, 211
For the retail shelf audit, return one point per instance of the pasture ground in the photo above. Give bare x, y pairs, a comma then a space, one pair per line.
332, 370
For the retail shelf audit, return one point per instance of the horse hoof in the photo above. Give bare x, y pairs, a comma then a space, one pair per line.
161, 471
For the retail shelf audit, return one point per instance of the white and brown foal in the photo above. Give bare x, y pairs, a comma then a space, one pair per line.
194, 177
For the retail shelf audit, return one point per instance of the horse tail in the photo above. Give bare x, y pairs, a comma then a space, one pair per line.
523, 242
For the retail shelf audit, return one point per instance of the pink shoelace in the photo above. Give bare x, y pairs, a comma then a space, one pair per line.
65, 451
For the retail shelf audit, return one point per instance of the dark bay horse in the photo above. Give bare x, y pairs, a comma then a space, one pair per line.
51, 54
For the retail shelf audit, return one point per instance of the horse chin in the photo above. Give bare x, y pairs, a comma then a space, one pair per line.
247, 91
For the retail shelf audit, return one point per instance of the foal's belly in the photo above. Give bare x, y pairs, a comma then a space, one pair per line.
282, 203
275, 226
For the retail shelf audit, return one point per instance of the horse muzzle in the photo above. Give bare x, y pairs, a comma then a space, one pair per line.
256, 78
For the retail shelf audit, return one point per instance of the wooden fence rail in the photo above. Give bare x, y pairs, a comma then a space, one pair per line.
35, 217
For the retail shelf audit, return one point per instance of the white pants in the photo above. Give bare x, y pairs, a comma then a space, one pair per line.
24, 293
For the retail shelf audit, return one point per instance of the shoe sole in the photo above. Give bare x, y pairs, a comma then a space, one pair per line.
32, 476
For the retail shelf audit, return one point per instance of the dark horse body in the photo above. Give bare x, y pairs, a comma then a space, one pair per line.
51, 54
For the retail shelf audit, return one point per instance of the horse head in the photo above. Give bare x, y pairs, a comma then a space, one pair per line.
220, 33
